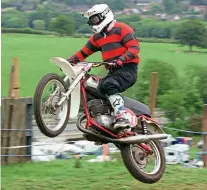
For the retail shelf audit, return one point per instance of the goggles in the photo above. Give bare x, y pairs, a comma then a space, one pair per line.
95, 19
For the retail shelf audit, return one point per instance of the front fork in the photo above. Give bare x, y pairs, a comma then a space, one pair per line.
66, 95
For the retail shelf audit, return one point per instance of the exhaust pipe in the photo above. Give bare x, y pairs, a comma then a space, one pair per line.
141, 138
125, 140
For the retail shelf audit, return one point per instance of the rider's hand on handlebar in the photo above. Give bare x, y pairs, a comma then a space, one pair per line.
72, 61
118, 63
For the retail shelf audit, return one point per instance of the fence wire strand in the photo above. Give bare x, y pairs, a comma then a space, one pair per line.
159, 114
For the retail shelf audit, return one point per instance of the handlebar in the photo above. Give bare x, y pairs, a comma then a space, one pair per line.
98, 64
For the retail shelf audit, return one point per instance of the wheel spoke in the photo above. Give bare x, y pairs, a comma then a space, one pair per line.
148, 163
53, 116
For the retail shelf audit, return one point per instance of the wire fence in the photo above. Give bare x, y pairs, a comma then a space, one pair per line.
185, 131
66, 135
159, 115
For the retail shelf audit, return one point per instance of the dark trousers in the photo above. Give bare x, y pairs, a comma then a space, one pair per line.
119, 80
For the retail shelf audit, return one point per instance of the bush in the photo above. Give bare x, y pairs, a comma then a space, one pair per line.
17, 23
38, 24
195, 123
62, 25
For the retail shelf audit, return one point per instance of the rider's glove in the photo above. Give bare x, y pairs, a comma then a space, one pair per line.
72, 60
118, 63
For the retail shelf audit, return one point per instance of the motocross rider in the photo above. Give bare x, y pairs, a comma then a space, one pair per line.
118, 44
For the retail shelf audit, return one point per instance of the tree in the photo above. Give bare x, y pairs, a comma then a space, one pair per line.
78, 19
85, 29
14, 19
156, 8
173, 6
198, 2
42, 14
116, 4
195, 122
38, 24
167, 80
191, 33
129, 18
196, 75
62, 25
192, 98
205, 15
173, 104
153, 28
169, 5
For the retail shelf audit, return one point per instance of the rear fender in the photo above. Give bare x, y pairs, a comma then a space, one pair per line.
154, 128
71, 73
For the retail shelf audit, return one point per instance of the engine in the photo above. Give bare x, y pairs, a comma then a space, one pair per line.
101, 112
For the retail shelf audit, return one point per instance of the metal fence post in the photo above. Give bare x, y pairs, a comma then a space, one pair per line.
28, 127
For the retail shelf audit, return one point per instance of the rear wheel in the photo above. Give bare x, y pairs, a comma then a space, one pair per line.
50, 118
147, 168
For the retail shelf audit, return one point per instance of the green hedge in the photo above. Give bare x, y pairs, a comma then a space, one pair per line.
78, 35
41, 32
157, 40
27, 31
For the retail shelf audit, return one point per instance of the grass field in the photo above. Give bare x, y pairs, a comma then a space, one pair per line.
62, 175
34, 52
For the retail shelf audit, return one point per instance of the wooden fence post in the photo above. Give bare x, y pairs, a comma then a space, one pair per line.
16, 118
14, 80
11, 80
153, 92
205, 136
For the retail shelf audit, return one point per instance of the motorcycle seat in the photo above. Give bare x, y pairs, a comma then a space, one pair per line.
137, 107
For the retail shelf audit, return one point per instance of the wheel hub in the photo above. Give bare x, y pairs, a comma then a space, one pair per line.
139, 156
51, 105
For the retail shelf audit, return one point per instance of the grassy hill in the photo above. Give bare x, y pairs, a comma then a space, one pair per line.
34, 52
61, 174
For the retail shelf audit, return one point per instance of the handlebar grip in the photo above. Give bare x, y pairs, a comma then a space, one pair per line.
111, 64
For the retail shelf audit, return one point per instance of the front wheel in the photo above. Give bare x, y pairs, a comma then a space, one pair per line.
147, 168
50, 118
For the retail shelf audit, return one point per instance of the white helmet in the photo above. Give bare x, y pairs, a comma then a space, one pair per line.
99, 16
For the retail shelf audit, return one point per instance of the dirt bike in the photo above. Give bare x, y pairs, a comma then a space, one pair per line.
140, 149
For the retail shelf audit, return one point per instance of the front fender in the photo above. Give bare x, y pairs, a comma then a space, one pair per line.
71, 73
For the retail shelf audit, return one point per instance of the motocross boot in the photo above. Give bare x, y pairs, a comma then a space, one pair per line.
117, 103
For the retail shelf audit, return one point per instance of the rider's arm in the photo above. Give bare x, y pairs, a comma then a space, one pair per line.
130, 42
89, 48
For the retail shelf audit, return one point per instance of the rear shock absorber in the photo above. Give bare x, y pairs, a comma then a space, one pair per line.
144, 126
